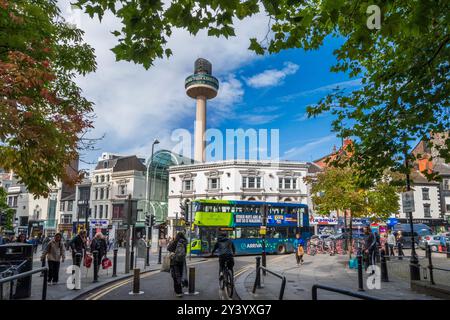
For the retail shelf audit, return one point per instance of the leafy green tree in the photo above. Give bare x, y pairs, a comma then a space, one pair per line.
403, 66
5, 211
43, 115
338, 189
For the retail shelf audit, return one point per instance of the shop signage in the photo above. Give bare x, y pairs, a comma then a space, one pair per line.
99, 223
322, 221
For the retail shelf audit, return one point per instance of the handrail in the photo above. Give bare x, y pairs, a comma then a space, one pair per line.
258, 277
341, 291
430, 264
27, 274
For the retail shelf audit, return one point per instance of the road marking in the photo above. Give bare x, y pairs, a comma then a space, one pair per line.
101, 293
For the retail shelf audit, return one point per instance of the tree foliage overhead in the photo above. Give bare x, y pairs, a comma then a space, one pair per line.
43, 114
5, 211
338, 189
404, 66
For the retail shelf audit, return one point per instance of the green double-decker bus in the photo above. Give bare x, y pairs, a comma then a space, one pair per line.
242, 221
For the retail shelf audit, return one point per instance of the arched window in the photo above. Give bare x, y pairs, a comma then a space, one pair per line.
287, 199
251, 199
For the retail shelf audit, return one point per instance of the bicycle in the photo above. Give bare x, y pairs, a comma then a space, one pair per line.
226, 282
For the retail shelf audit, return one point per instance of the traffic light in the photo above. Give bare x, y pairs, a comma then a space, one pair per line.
152, 220
147, 221
2, 220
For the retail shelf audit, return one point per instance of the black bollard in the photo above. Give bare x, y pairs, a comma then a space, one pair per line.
360, 272
136, 282
191, 286
384, 271
147, 258
95, 254
115, 262
159, 255
448, 250
258, 272
386, 251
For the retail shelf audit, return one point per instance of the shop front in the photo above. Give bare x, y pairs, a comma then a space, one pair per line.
436, 225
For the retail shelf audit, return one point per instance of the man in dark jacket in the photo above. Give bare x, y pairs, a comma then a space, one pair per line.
370, 247
78, 246
226, 251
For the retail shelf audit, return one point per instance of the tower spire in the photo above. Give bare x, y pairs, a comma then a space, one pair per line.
201, 86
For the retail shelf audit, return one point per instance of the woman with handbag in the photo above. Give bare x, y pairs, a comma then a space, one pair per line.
299, 247
177, 249
99, 244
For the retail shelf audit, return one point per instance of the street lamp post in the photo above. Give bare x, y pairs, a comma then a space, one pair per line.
148, 185
414, 261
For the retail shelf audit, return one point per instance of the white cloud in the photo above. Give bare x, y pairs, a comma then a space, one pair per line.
323, 89
134, 105
299, 152
272, 77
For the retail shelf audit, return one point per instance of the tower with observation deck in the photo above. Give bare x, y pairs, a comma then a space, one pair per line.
202, 85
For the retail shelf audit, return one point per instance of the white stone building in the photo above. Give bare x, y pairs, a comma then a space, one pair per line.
236, 180
427, 205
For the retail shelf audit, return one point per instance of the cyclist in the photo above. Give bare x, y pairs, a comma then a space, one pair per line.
226, 250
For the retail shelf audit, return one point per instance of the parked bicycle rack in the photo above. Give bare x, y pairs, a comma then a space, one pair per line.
341, 291
258, 278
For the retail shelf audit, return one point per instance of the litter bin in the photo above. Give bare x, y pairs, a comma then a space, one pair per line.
18, 257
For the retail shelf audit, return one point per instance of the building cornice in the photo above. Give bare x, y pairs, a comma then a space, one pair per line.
239, 164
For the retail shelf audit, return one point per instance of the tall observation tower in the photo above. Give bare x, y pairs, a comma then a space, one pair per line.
201, 86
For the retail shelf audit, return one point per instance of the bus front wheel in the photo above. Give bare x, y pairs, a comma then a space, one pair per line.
281, 249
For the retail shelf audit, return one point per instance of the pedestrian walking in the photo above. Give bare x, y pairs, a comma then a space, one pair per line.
299, 247
99, 244
370, 248
391, 243
400, 243
178, 261
55, 253
78, 245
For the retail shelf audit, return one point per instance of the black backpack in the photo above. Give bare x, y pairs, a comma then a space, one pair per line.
180, 252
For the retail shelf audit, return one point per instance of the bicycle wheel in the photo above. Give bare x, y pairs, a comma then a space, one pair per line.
221, 282
229, 281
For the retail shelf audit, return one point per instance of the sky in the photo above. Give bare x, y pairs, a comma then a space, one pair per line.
133, 106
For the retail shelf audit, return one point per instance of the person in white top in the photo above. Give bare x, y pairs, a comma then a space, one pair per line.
391, 243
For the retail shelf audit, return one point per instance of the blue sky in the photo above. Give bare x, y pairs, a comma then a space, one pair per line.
133, 106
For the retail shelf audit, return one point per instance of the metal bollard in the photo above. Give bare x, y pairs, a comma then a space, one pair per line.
136, 282
430, 264
95, 254
44, 285
191, 286
384, 271
386, 252
448, 250
258, 272
159, 255
147, 258
115, 262
132, 260
360, 272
